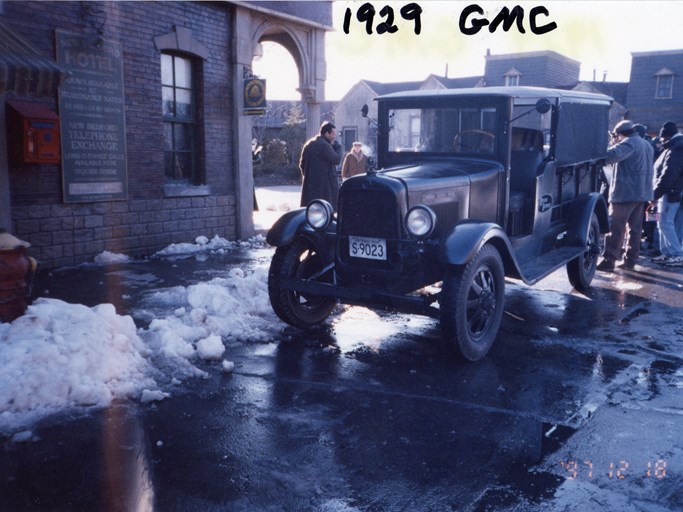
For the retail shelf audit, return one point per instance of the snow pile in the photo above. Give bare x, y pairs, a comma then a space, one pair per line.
60, 355
205, 313
107, 257
201, 245
279, 207
216, 244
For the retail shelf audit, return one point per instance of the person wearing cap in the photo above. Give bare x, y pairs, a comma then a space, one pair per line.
667, 191
641, 129
630, 189
355, 162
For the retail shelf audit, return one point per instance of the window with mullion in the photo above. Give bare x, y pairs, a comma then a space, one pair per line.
664, 87
512, 80
179, 116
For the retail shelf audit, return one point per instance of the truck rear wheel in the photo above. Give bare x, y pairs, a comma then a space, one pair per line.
472, 301
299, 260
581, 269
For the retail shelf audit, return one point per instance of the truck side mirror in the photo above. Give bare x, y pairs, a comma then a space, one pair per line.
364, 112
543, 106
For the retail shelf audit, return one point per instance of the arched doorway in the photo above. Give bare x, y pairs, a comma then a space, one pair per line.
278, 135
305, 42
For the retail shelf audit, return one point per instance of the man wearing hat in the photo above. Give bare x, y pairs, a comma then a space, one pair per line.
630, 189
355, 162
669, 185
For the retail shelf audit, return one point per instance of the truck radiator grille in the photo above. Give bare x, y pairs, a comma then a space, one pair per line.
371, 213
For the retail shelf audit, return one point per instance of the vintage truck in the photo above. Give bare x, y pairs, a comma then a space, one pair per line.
472, 186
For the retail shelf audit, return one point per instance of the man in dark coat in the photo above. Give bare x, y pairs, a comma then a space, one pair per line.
669, 192
319, 158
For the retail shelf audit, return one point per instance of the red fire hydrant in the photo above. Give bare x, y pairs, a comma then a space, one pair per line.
16, 276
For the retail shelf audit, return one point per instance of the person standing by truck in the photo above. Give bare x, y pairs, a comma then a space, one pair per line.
355, 162
318, 164
631, 188
667, 191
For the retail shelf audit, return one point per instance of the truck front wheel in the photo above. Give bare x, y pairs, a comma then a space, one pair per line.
472, 301
297, 261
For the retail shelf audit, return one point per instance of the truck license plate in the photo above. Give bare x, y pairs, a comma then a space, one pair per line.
369, 248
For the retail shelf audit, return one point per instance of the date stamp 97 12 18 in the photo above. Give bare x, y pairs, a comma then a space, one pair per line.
620, 470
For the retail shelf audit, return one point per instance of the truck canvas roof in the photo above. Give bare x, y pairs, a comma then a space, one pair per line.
508, 92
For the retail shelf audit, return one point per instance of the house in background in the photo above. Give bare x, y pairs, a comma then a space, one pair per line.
617, 90
653, 96
655, 89
443, 82
539, 69
352, 126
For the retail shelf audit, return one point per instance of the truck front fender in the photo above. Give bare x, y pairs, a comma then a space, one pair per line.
467, 238
287, 228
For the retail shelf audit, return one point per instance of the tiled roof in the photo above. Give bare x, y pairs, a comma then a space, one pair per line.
386, 88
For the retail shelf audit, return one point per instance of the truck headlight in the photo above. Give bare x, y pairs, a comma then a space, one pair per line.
420, 221
319, 214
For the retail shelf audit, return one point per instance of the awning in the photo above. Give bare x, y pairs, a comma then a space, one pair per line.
23, 70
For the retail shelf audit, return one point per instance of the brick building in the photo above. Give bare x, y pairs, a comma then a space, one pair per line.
153, 119
655, 89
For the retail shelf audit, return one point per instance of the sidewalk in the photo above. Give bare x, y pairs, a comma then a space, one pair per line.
127, 283
272, 202
124, 284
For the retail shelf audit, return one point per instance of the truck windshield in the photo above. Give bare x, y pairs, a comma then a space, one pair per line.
443, 130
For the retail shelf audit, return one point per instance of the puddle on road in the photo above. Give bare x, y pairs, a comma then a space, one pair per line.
523, 484
133, 279
659, 374
359, 327
534, 488
640, 310
627, 285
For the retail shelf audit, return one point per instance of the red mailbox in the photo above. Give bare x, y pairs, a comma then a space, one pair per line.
32, 133
16, 276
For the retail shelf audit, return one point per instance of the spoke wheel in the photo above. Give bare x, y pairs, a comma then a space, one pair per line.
297, 261
581, 269
472, 303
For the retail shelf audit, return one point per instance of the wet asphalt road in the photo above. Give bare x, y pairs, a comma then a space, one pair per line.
370, 413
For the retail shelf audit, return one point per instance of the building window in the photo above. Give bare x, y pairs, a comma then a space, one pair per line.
178, 92
349, 135
511, 77
512, 81
415, 126
665, 85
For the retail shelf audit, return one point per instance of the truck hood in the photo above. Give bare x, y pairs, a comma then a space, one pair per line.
443, 174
